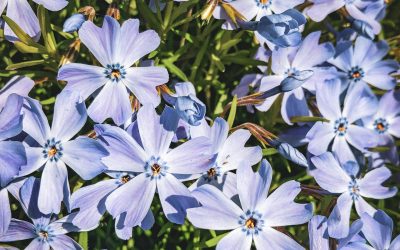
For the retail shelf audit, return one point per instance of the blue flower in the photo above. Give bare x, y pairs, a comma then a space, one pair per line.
377, 229
73, 23
258, 214
187, 105
291, 68
359, 102
363, 64
282, 30
155, 167
346, 181
117, 48
45, 232
55, 148
228, 152
27, 21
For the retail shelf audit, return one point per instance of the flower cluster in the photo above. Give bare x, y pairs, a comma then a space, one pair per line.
147, 139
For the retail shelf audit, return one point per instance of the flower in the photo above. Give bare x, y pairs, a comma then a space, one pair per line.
229, 153
155, 167
55, 148
297, 61
386, 124
320, 9
27, 21
317, 228
45, 233
258, 213
347, 182
117, 48
377, 229
359, 102
363, 64
187, 105
74, 22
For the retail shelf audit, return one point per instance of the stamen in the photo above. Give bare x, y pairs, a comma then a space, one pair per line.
44, 234
125, 179
156, 169
211, 172
53, 151
251, 223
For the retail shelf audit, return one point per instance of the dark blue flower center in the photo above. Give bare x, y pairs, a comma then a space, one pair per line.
52, 149
354, 189
291, 71
251, 222
356, 74
115, 72
155, 168
264, 4
340, 126
381, 125
44, 232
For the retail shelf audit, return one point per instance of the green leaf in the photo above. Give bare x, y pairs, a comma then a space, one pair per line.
269, 151
83, 240
242, 60
25, 64
49, 101
164, 229
232, 112
148, 15
22, 36
24, 48
379, 149
308, 119
214, 241
175, 70
47, 32
215, 59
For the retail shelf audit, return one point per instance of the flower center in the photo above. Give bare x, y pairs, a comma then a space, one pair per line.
155, 168
44, 234
381, 125
211, 172
354, 189
264, 4
356, 74
52, 150
125, 179
251, 222
115, 72
291, 71
340, 126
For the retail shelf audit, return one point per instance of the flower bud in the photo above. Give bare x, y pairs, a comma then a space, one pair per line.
190, 109
73, 23
363, 29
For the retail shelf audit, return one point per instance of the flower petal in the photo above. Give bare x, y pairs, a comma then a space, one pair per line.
51, 192
112, 101
10, 117
253, 187
142, 81
19, 230
377, 229
69, 115
175, 198
20, 85
361, 138
342, 151
371, 184
192, 157
139, 191
319, 10
84, 79
54, 5
294, 103
5, 211
317, 229
64, 242
84, 156
275, 240
235, 240
328, 93
35, 122
328, 173
217, 212
320, 136
339, 219
12, 157
359, 102
279, 209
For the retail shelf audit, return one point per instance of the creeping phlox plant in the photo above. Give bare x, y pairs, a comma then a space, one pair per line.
226, 124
